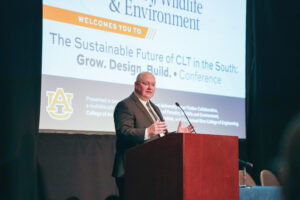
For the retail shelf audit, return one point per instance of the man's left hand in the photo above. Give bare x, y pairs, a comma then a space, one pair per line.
188, 129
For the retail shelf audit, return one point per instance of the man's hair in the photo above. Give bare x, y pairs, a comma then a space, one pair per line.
140, 74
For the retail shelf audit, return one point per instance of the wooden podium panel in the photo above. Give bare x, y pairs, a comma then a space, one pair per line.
183, 167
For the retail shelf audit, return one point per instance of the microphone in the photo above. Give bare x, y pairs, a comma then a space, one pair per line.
248, 164
177, 104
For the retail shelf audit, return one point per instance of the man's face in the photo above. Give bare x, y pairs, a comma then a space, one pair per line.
145, 86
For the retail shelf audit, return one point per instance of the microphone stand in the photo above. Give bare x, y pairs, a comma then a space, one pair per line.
177, 104
244, 180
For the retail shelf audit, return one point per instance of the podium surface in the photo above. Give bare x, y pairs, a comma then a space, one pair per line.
183, 167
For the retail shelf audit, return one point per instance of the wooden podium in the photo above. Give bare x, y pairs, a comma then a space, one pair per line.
183, 167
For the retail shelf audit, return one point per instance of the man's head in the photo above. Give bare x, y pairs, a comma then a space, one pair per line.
144, 85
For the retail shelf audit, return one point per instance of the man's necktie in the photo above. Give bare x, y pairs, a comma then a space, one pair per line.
152, 111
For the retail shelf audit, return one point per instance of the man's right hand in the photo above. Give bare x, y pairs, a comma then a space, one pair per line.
156, 128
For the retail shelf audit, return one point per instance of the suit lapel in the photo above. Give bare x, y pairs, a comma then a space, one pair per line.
157, 111
141, 107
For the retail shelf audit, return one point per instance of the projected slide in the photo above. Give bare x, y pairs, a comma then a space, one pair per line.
93, 51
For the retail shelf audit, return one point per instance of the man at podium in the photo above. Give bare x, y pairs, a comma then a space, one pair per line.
137, 119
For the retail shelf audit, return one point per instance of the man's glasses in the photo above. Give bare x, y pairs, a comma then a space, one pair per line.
146, 83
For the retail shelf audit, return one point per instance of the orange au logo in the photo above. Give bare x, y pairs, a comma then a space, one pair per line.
59, 104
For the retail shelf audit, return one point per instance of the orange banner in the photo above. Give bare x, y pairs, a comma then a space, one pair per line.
80, 19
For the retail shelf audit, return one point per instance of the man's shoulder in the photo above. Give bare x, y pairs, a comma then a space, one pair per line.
127, 101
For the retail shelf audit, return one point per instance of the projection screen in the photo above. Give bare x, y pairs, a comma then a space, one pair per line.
93, 51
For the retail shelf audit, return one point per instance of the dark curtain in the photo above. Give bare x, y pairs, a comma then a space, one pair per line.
273, 89
21, 26
76, 166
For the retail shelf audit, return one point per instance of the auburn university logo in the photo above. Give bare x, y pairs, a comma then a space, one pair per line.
59, 104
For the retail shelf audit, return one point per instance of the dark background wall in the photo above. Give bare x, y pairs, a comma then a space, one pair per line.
21, 29
52, 166
273, 97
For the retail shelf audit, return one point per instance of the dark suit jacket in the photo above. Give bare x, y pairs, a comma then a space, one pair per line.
131, 120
